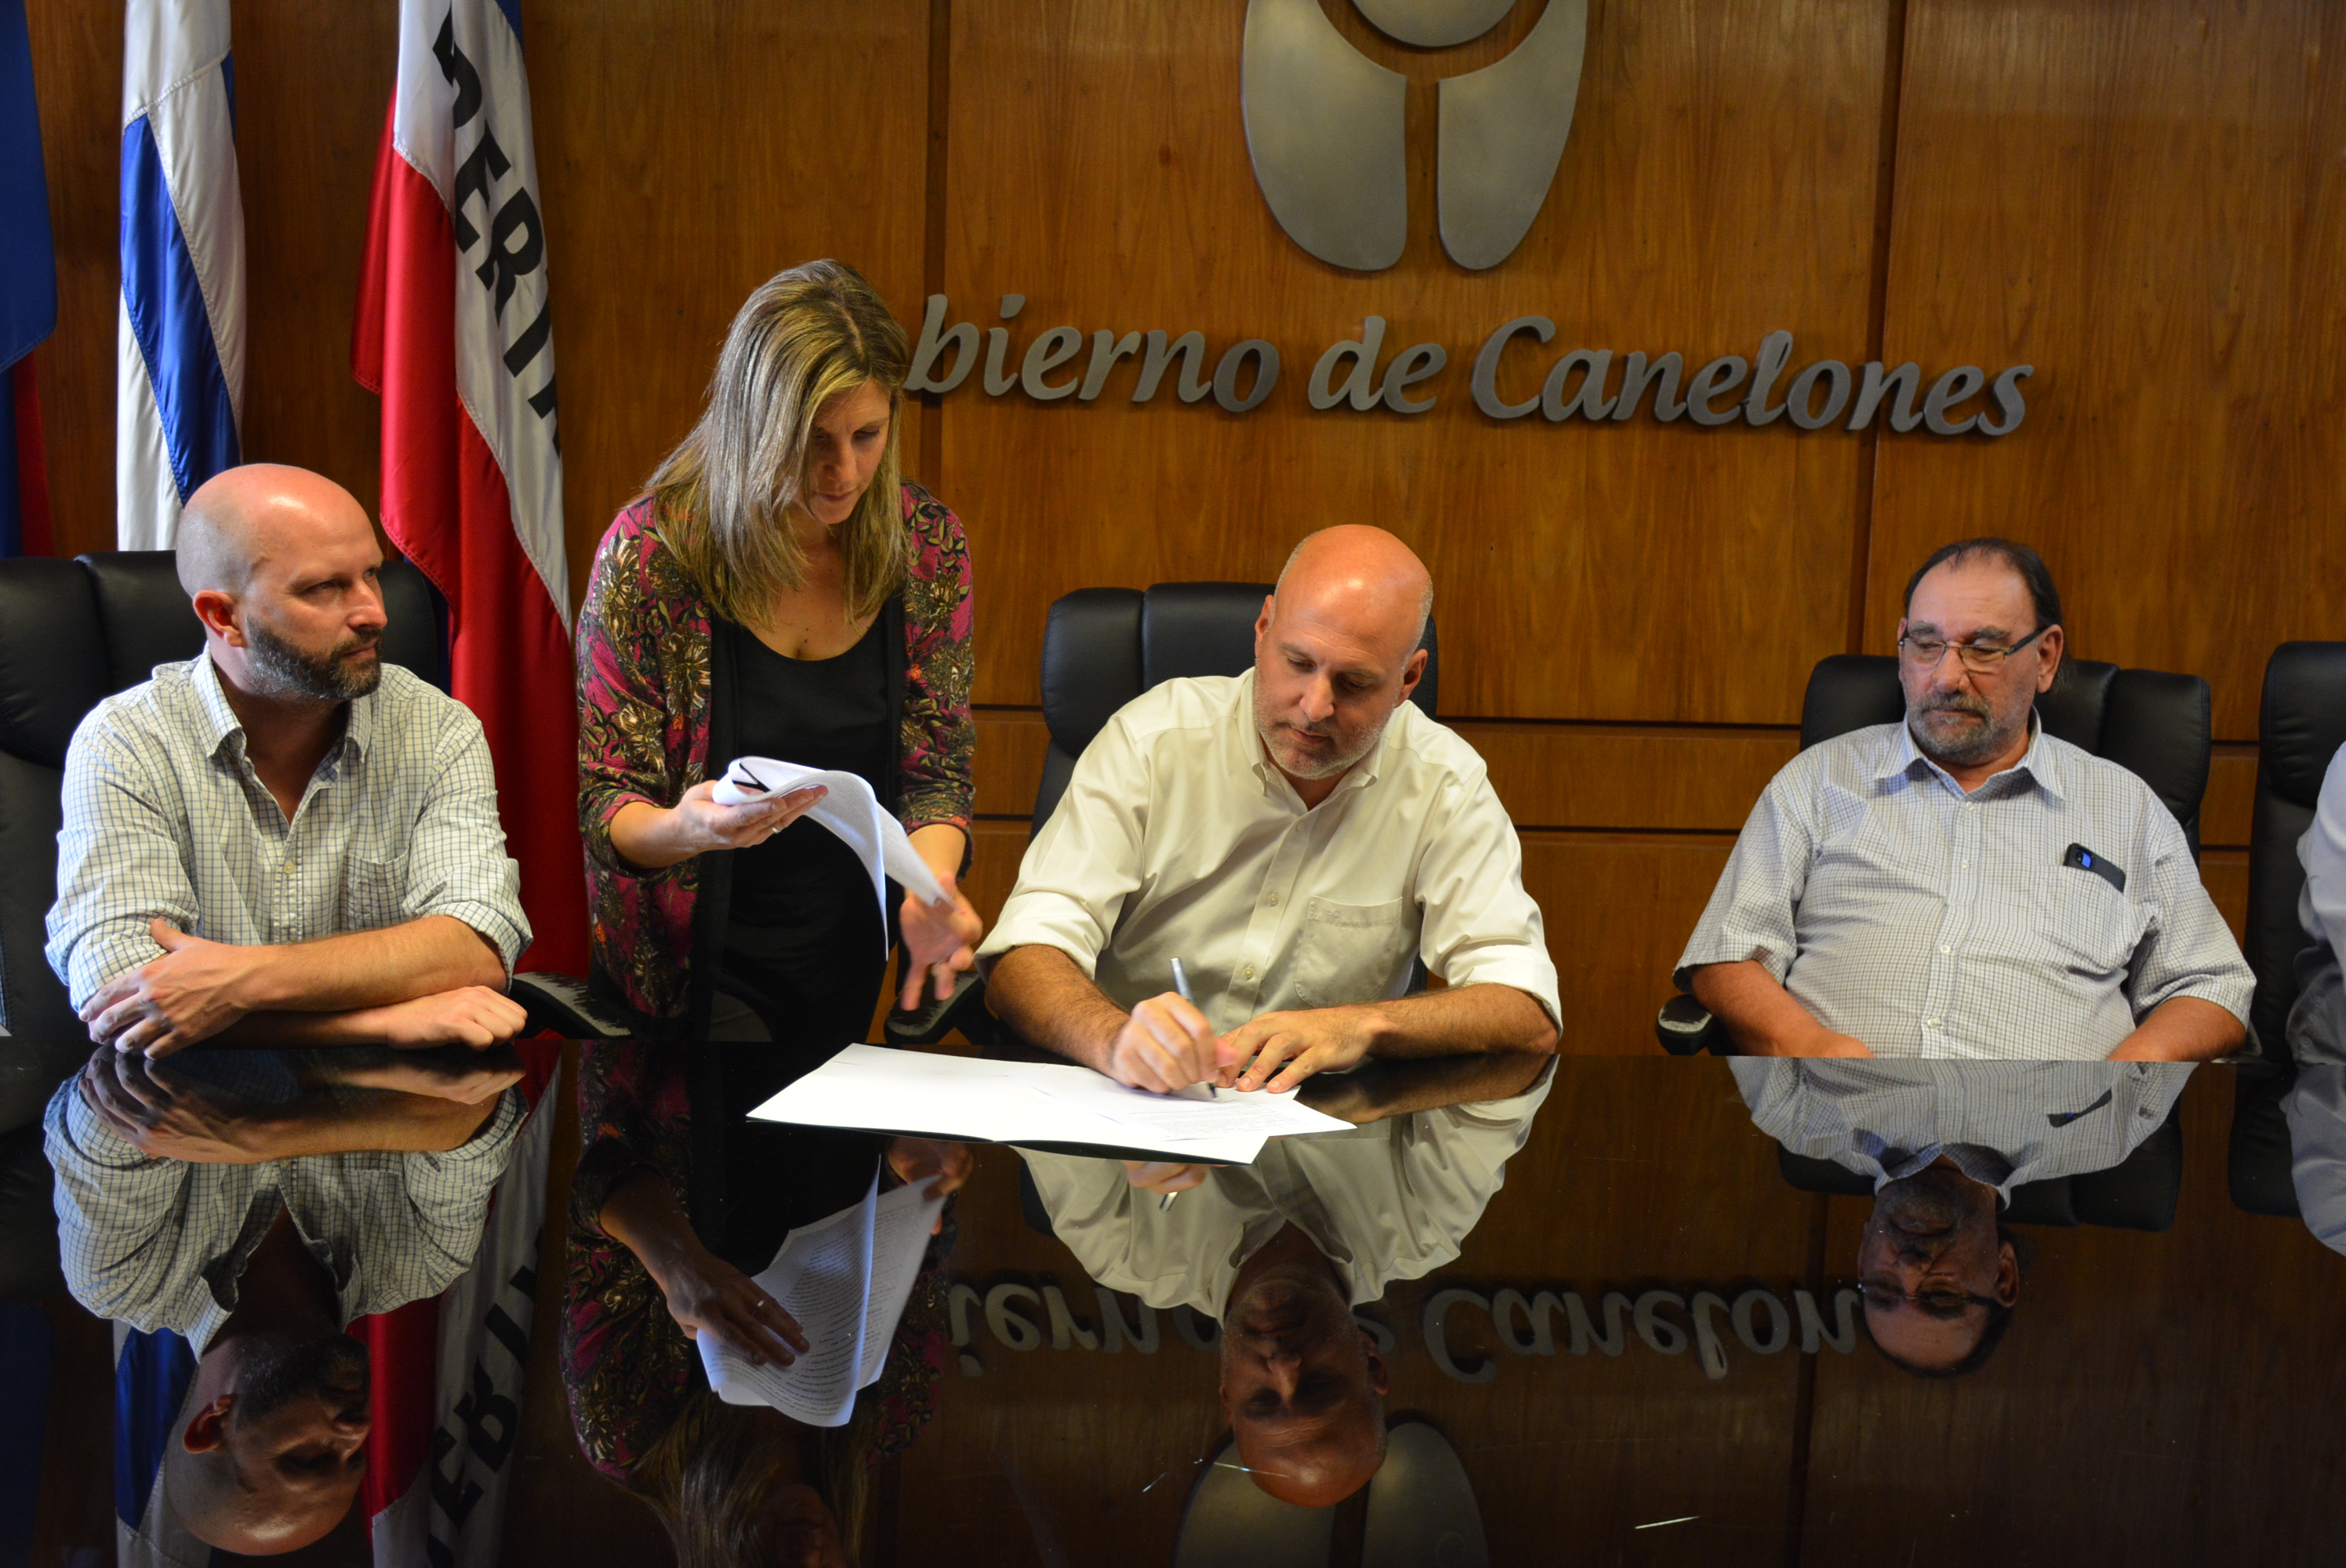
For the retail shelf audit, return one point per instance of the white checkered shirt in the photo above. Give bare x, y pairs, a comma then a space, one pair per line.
2002, 1123
165, 820
161, 1243
1927, 923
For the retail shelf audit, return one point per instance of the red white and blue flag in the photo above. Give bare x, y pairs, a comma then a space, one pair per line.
455, 334
179, 377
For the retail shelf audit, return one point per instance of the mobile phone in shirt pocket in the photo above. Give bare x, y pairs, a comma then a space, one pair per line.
374, 894
1351, 952
2091, 923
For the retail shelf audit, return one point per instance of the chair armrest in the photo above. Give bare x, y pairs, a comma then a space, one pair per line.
1686, 1028
559, 1003
933, 1019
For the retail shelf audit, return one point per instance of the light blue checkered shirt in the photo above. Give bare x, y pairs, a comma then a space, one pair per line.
1927, 923
165, 820
2002, 1123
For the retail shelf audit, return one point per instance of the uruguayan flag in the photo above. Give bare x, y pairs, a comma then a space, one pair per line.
180, 379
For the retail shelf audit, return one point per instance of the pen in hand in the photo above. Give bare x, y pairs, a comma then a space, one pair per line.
1181, 987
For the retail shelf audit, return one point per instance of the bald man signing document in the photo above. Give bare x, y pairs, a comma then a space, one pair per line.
284, 838
1296, 836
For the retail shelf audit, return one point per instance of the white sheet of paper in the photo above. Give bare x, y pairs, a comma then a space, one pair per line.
846, 1280
877, 1088
850, 810
1193, 1113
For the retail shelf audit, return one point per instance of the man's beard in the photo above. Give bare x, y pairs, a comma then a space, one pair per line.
1934, 1202
281, 1368
1981, 743
1303, 764
326, 676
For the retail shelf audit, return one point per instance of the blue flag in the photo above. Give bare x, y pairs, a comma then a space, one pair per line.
28, 264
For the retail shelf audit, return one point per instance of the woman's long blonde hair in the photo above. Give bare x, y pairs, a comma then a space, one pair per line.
721, 499
709, 1477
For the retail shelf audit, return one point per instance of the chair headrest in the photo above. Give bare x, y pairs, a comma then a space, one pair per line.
2303, 720
52, 659
142, 612
1091, 662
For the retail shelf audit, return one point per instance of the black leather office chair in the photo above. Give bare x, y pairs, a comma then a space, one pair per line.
1101, 648
2157, 724
74, 632
2300, 725
2139, 1193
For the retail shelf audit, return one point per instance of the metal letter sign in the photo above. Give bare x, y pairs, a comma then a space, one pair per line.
1323, 126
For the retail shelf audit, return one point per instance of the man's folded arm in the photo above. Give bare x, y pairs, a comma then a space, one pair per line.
1760, 1017
2188, 983
1483, 933
1072, 884
120, 866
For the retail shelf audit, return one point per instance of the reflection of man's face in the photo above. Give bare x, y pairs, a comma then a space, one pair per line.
278, 1467
1932, 1241
1302, 1390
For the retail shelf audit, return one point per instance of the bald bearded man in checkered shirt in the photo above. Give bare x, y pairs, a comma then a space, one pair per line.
1962, 884
284, 839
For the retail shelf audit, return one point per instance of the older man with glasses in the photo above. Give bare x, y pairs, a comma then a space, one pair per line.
1962, 884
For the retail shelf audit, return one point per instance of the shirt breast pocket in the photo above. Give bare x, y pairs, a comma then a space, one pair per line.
1351, 952
374, 894
2091, 927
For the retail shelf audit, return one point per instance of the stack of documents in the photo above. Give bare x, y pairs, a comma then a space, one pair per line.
844, 1280
884, 1090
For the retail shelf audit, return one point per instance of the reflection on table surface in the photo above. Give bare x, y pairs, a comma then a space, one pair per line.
1663, 1309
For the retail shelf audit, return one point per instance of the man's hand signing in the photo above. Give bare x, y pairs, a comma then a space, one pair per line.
191, 992
1165, 1046
1280, 1050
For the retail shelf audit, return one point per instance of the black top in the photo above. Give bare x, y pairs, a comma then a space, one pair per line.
830, 713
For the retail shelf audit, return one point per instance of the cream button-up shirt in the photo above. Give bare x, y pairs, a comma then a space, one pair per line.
1390, 1200
1177, 838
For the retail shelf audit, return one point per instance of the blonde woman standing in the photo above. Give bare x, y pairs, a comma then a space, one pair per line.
778, 590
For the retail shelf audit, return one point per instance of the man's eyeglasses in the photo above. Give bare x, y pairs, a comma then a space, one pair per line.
1980, 658
1936, 1301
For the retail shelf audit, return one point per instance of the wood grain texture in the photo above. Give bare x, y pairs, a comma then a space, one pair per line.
1622, 571
2225, 810
313, 78
2145, 1406
1546, 775
689, 152
77, 79
2146, 202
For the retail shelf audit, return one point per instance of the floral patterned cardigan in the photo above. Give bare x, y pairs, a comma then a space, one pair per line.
655, 698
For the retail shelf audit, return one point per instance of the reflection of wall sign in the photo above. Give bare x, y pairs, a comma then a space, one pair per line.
1022, 1316
1579, 384
1323, 127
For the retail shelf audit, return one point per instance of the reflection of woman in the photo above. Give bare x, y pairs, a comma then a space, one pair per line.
779, 591
663, 1137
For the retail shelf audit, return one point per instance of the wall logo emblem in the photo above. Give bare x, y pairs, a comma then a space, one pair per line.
1323, 127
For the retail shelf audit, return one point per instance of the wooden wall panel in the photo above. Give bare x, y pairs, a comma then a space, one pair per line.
77, 79
1099, 166
1546, 775
2146, 202
313, 78
689, 152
